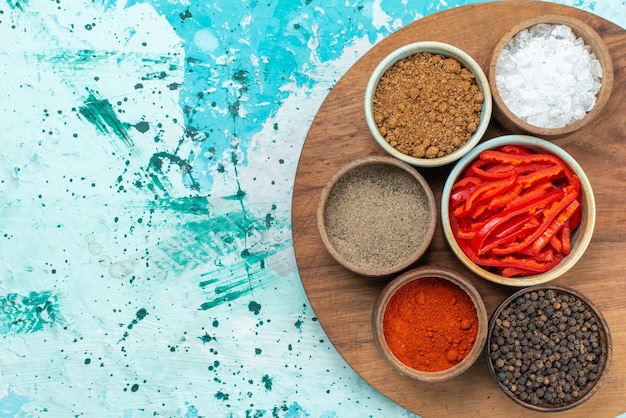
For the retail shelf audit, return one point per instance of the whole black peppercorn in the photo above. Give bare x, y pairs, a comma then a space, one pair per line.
547, 347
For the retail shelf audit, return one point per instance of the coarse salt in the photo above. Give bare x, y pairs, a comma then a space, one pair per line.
547, 76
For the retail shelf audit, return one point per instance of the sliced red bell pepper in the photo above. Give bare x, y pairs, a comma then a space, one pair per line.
566, 244
555, 226
514, 210
515, 149
532, 193
487, 171
549, 173
550, 215
576, 218
517, 159
485, 192
508, 197
530, 207
520, 229
557, 243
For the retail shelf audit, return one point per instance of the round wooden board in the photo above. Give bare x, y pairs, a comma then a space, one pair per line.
343, 301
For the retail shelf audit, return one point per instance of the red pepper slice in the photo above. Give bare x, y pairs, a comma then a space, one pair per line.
550, 215
485, 192
566, 245
504, 199
555, 226
528, 264
515, 149
460, 196
576, 218
532, 193
517, 159
529, 207
556, 243
516, 230
549, 173
488, 171
517, 272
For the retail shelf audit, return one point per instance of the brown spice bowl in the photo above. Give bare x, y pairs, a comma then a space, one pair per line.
377, 216
580, 237
460, 126
438, 306
548, 348
509, 120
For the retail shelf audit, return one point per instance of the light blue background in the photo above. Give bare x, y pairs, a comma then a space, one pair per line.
148, 155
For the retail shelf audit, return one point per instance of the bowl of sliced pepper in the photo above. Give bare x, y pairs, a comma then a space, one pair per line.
518, 210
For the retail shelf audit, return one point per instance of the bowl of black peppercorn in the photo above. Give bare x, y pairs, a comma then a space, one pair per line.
548, 348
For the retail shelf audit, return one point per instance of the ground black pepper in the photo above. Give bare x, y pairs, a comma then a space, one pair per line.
546, 348
376, 216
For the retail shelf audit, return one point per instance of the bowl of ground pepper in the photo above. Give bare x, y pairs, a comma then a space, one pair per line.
550, 75
377, 216
428, 103
548, 348
430, 324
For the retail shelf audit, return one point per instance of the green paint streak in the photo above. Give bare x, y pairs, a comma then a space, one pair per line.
224, 299
221, 241
27, 314
230, 286
17, 5
205, 283
193, 205
75, 59
101, 114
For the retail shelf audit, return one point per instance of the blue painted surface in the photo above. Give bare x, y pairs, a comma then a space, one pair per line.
146, 169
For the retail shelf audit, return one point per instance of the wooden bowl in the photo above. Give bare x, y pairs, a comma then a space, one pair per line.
580, 238
591, 38
377, 216
595, 347
436, 48
464, 287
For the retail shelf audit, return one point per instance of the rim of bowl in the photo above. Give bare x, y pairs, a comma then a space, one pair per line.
441, 273
606, 332
591, 39
427, 237
436, 48
582, 236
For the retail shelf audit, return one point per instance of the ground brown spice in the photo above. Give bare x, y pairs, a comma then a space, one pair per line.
427, 105
376, 216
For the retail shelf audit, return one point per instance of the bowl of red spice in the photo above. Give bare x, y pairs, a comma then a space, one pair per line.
550, 75
428, 103
430, 323
518, 210
377, 216
548, 348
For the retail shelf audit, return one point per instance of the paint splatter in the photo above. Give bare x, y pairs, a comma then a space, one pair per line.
24, 314
267, 382
254, 307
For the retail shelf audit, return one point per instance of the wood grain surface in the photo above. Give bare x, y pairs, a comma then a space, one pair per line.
343, 301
